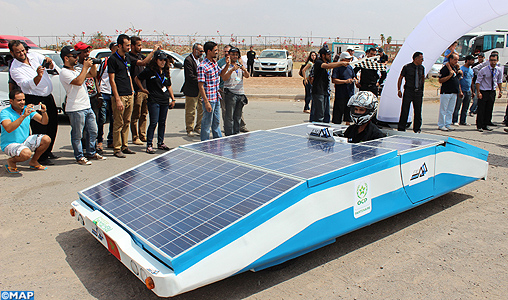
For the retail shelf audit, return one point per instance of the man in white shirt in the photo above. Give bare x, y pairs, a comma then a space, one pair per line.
28, 70
78, 108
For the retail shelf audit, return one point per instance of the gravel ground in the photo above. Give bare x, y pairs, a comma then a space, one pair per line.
454, 247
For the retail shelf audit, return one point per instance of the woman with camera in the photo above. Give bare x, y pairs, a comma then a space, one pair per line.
159, 90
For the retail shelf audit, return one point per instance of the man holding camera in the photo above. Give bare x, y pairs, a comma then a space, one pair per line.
234, 95
28, 70
78, 108
16, 140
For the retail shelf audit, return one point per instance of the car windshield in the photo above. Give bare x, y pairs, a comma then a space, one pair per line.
440, 60
273, 54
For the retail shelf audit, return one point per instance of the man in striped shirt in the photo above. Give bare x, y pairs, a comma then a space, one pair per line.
208, 82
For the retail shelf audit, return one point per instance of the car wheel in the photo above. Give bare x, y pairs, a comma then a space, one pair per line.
290, 73
286, 74
255, 74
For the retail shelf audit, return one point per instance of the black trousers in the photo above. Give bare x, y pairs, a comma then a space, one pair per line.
340, 110
416, 98
370, 88
484, 110
52, 126
250, 67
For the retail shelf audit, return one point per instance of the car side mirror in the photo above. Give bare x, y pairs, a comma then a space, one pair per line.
178, 65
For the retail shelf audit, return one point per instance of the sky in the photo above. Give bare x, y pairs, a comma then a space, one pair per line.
299, 18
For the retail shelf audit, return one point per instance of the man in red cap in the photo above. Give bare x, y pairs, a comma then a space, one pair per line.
90, 83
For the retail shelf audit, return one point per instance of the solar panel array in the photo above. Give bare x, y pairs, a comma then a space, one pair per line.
400, 143
289, 154
179, 199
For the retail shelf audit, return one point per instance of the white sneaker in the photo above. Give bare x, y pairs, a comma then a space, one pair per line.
83, 161
97, 156
190, 134
450, 129
444, 128
455, 124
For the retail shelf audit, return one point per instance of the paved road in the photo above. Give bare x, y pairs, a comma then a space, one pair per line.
455, 247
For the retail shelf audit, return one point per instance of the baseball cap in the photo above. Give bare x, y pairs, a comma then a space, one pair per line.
325, 50
160, 55
380, 50
234, 49
113, 44
81, 46
345, 55
481, 54
350, 48
68, 50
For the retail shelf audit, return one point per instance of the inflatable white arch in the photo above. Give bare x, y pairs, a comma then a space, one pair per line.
440, 27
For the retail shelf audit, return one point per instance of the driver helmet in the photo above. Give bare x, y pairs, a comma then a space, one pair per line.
363, 99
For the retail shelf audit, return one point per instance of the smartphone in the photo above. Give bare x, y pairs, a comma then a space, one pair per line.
37, 107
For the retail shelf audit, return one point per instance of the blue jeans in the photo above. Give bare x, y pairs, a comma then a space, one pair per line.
233, 115
320, 111
308, 95
446, 107
158, 114
83, 126
105, 113
211, 120
464, 103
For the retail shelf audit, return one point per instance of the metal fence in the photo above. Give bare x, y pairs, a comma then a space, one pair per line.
299, 46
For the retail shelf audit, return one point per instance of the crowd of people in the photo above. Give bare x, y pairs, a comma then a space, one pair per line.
476, 80
133, 90
128, 88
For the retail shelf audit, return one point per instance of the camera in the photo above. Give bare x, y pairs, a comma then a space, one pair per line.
95, 61
45, 64
37, 107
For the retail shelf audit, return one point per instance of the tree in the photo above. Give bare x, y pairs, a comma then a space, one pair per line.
389, 39
382, 36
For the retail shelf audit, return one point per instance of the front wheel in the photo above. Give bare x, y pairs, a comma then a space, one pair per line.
290, 73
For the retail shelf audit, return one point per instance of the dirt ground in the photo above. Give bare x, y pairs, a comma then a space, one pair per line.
454, 247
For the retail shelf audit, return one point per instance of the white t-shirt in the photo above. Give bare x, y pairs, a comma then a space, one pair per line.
105, 87
77, 95
235, 82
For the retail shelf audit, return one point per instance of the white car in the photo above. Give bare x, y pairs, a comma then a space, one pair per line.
4, 100
273, 61
58, 90
436, 68
177, 75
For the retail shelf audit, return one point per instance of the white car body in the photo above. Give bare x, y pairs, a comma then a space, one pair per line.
4, 100
436, 68
58, 90
177, 74
274, 61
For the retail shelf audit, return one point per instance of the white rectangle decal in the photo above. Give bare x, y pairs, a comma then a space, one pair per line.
363, 204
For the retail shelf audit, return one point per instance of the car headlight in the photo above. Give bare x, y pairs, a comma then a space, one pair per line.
281, 63
256, 63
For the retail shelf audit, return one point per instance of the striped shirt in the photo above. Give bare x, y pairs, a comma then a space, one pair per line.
209, 74
487, 83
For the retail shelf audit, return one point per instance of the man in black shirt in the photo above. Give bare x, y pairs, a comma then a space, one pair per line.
139, 108
414, 76
369, 78
119, 65
320, 111
251, 56
449, 77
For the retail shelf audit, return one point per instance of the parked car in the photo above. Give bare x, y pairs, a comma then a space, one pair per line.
4, 100
5, 39
58, 90
177, 75
436, 67
273, 61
